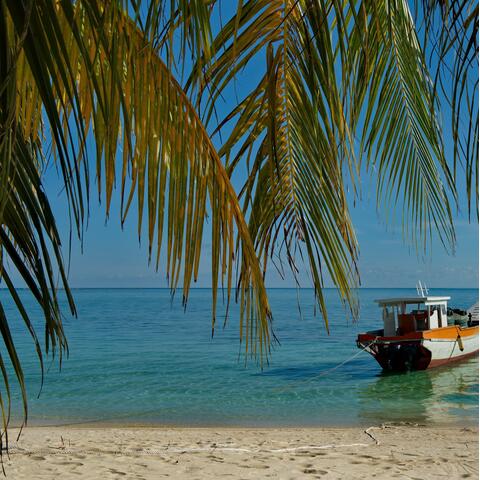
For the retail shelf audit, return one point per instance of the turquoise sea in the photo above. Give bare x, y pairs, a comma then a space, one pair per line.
137, 357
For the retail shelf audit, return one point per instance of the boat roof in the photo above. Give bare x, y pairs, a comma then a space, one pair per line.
428, 300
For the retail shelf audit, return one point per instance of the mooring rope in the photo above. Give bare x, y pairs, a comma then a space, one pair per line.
327, 371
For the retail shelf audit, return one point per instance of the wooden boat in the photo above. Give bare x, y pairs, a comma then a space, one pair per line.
416, 335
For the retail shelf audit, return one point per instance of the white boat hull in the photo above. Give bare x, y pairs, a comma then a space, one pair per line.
447, 350
421, 350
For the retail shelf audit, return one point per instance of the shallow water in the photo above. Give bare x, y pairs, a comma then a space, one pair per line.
137, 357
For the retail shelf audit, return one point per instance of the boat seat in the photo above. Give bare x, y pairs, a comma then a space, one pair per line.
406, 323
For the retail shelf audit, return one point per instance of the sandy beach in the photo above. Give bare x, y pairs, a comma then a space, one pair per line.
387, 451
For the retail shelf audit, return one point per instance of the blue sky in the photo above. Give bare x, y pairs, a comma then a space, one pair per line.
113, 258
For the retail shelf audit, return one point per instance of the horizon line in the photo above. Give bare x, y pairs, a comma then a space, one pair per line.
267, 288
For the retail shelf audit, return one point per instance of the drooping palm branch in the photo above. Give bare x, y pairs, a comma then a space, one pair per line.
392, 96
334, 72
85, 70
294, 195
450, 36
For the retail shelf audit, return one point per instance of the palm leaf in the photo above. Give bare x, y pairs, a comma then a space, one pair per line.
294, 195
88, 70
401, 136
451, 34
29, 241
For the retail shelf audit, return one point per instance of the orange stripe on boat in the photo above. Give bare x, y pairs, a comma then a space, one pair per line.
450, 333
445, 333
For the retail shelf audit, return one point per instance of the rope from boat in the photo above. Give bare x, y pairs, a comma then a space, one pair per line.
327, 371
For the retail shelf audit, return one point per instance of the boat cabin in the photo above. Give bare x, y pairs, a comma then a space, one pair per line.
412, 314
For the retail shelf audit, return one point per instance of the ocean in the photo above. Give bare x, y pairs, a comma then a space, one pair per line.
137, 357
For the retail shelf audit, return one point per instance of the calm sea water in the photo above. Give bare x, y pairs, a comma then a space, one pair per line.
137, 357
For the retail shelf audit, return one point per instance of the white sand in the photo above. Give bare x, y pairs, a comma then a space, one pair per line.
207, 453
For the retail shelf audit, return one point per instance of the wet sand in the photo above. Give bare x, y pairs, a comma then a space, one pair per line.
391, 451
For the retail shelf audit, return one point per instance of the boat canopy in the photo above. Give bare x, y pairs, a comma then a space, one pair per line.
430, 313
429, 300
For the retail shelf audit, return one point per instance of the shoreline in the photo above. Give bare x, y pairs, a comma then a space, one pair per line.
457, 423
147, 452
102, 424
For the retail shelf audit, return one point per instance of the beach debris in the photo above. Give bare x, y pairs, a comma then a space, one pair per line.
377, 442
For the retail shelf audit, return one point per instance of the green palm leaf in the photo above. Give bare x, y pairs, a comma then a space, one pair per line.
401, 137
91, 72
292, 124
451, 32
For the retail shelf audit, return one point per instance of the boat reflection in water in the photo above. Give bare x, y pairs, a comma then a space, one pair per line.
443, 395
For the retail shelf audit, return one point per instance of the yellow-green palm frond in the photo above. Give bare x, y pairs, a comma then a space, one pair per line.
391, 93
293, 129
115, 82
334, 69
85, 71
161, 20
31, 244
29, 240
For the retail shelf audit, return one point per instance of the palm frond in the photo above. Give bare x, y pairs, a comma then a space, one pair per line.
85, 70
450, 33
29, 241
115, 82
293, 124
400, 136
